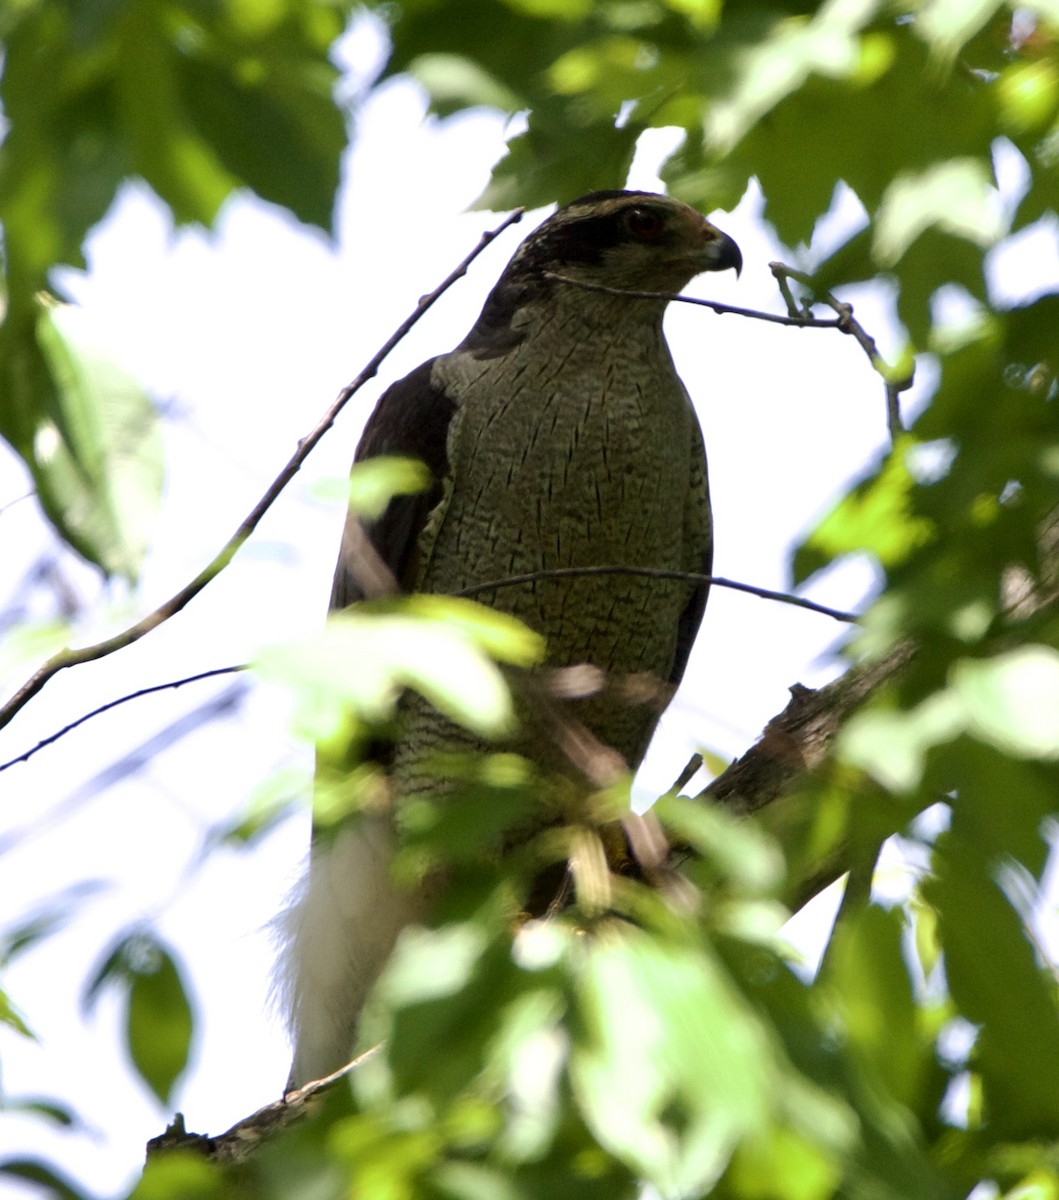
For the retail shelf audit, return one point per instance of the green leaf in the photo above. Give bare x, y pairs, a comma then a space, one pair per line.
565, 152
892, 746
957, 196
274, 125
164, 146
33, 1171
877, 517
181, 1175
949, 24
456, 82
158, 1017
741, 853
1017, 1052
1012, 700
439, 646
374, 482
671, 1070
13, 1018
88, 433
779, 64
865, 965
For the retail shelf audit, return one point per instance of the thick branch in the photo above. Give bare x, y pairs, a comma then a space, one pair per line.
795, 746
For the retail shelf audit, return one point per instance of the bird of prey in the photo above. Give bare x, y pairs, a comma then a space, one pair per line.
557, 435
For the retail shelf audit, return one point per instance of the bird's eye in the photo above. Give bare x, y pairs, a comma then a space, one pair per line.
643, 223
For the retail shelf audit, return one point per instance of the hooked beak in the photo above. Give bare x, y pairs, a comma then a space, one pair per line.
722, 252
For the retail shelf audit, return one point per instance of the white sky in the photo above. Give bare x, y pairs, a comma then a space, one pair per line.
246, 335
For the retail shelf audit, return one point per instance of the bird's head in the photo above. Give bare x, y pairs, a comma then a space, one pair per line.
629, 241
633, 240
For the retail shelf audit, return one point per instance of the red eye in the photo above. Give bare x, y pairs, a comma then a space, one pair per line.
643, 223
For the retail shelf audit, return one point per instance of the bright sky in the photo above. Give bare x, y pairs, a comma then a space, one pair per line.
245, 336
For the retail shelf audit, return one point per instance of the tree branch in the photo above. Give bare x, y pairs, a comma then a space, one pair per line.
70, 658
895, 383
658, 573
26, 755
798, 315
795, 747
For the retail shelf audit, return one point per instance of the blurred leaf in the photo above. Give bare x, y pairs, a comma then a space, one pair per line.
958, 196
492, 796
743, 856
158, 1017
787, 1166
34, 1171
456, 82
270, 803
13, 1018
88, 433
439, 646
374, 482
948, 24
182, 1175
878, 1009
199, 101
892, 746
1017, 1052
1012, 700
564, 153
103, 479
51, 1111
876, 516
671, 1069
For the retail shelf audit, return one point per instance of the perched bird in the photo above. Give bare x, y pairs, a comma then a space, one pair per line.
557, 434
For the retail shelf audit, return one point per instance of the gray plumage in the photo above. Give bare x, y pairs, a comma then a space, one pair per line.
558, 434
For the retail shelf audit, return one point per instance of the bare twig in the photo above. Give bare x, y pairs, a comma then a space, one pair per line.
687, 774
895, 384
799, 318
96, 712
658, 573
799, 315
69, 658
510, 581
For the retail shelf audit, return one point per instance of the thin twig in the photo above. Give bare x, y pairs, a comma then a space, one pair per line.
96, 712
510, 581
689, 772
794, 318
848, 324
658, 573
69, 658
799, 315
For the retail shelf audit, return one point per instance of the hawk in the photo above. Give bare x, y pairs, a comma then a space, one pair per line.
557, 435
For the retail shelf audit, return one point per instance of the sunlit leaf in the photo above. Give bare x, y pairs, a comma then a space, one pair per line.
958, 196
1012, 700
89, 435
440, 647
671, 1070
181, 1175
877, 517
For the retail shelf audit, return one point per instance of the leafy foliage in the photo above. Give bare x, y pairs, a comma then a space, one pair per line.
660, 1033
198, 101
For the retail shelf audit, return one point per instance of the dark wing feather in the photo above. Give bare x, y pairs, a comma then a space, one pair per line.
412, 419
698, 530
690, 620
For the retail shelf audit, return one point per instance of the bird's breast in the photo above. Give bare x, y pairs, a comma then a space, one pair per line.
577, 458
